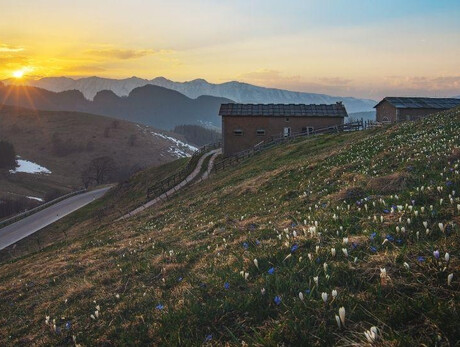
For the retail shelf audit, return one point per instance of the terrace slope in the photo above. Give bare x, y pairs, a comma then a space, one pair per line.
360, 221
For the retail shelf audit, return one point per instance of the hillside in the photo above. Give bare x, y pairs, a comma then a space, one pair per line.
149, 105
334, 240
64, 143
237, 91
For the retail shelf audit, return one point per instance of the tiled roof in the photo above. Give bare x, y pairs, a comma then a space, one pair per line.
283, 110
436, 103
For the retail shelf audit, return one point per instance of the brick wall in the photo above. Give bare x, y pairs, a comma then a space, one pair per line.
273, 126
386, 112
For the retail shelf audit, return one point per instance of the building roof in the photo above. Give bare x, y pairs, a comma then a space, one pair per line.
283, 110
434, 103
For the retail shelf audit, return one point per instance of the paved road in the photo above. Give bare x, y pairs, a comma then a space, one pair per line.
173, 190
27, 226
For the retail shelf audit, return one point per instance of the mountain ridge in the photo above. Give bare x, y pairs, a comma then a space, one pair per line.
150, 105
234, 90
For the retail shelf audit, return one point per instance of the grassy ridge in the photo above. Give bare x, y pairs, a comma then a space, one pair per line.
357, 215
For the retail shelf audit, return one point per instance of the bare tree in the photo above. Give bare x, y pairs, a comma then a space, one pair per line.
100, 170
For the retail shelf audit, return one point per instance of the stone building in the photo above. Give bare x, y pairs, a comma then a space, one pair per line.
246, 125
393, 109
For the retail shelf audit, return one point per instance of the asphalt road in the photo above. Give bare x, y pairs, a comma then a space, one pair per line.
27, 226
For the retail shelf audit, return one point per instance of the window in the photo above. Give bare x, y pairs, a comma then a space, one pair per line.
308, 130
260, 132
238, 132
287, 119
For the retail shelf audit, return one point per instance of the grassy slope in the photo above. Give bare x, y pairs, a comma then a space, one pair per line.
187, 255
31, 132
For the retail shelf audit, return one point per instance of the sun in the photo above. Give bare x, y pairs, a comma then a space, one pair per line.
18, 74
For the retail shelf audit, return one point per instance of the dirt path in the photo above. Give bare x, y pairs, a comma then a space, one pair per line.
182, 184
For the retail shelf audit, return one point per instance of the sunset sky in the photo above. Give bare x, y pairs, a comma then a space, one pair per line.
363, 48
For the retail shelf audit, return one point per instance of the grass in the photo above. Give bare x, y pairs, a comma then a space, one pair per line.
87, 136
176, 274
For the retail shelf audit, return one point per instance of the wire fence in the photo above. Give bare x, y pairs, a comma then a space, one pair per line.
27, 213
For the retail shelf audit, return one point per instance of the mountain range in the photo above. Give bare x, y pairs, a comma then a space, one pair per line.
150, 105
236, 91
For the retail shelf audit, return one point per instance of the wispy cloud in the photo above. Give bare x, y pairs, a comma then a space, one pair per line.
123, 53
4, 48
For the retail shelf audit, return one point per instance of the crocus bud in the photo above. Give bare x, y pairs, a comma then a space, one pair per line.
342, 315
449, 279
324, 296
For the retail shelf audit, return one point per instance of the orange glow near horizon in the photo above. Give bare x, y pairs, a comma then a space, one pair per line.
304, 46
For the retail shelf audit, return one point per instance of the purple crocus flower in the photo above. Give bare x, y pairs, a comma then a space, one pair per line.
436, 254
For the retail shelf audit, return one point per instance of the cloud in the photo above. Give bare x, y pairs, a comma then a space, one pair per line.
438, 83
268, 76
121, 53
4, 48
335, 81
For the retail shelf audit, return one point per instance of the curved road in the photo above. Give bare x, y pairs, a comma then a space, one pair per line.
27, 226
174, 189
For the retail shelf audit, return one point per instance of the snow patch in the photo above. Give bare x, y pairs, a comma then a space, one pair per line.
35, 198
29, 167
180, 149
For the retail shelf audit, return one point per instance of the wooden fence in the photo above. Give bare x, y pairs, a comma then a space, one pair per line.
276, 140
171, 181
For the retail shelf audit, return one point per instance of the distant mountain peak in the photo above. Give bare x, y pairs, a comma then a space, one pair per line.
237, 91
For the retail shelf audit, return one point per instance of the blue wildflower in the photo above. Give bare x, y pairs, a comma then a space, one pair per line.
390, 238
179, 279
373, 249
386, 211
420, 259
271, 271
294, 248
227, 285
257, 242
373, 235
399, 241
277, 300
308, 291
436, 254
354, 245
208, 337
68, 325
245, 245
159, 307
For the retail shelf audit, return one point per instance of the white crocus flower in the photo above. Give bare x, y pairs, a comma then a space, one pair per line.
345, 252
256, 263
301, 296
316, 280
324, 296
342, 315
334, 293
337, 319
449, 279
406, 265
447, 257
333, 252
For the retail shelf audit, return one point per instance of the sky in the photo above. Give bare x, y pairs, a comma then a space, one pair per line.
361, 48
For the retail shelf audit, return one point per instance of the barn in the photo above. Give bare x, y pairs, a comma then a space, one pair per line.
246, 125
395, 109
